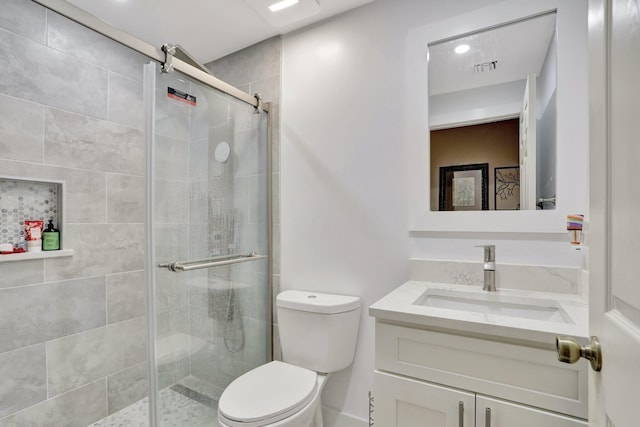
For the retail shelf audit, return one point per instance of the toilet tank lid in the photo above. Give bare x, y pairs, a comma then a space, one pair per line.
317, 302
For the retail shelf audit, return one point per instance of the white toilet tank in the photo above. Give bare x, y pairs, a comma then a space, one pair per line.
318, 331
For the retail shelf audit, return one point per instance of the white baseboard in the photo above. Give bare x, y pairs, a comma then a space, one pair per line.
334, 418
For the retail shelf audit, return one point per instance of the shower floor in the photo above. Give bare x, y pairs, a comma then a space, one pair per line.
179, 407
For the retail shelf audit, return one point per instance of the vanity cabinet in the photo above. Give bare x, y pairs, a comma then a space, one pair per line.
406, 402
435, 378
507, 414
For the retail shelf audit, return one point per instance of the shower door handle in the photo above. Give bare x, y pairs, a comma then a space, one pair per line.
180, 266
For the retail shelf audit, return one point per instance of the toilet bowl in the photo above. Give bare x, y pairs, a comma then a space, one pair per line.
281, 395
318, 334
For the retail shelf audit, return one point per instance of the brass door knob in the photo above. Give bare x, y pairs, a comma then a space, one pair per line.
569, 351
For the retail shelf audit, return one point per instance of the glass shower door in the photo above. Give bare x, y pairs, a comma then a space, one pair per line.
208, 230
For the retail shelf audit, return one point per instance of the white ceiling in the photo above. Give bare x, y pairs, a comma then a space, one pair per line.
208, 29
520, 49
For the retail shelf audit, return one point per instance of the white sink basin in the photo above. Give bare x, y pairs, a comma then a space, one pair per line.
496, 304
523, 315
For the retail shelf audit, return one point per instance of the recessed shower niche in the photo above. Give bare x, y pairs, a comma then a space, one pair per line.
22, 200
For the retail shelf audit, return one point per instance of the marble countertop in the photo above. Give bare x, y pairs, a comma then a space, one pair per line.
403, 305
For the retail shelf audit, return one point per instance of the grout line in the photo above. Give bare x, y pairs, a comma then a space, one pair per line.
124, 174
95, 329
44, 132
106, 198
74, 278
64, 167
119, 371
108, 118
46, 367
106, 301
46, 27
106, 394
55, 282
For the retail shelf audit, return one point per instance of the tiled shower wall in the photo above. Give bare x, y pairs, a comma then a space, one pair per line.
257, 69
72, 330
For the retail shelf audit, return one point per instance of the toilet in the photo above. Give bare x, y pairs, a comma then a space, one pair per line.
318, 335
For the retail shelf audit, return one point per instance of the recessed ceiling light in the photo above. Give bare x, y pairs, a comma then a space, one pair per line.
283, 4
462, 48
282, 13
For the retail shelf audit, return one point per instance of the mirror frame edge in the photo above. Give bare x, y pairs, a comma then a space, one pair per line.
572, 128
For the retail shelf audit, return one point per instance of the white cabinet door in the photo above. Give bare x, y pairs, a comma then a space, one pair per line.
403, 402
498, 413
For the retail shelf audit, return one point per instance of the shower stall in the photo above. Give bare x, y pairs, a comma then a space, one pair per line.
207, 249
136, 329
208, 269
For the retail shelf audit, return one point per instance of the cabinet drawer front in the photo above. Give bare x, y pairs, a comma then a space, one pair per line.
404, 402
506, 414
518, 373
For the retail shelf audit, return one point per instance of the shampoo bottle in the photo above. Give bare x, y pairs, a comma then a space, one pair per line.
50, 238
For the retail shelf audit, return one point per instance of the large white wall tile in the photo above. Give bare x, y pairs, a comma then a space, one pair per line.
34, 72
127, 387
82, 358
25, 18
126, 296
24, 379
125, 199
99, 249
34, 314
78, 41
21, 130
78, 141
22, 273
125, 101
171, 158
78, 408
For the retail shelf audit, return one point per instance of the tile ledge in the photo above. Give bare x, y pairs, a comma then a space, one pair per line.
36, 255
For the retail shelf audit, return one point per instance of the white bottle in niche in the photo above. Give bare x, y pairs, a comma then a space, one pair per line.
34, 245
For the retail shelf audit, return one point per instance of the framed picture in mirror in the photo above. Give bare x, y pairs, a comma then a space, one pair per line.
464, 187
507, 187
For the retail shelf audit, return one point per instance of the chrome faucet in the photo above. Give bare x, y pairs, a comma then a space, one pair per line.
489, 268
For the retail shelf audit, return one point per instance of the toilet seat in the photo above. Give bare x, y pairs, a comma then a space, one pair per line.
275, 391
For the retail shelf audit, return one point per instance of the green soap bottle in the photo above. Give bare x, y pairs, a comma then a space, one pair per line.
50, 238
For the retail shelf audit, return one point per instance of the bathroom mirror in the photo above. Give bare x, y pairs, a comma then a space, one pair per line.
430, 106
492, 101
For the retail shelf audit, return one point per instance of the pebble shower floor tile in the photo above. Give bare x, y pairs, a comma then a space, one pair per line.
176, 410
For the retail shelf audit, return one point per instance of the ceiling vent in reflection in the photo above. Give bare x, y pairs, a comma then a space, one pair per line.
485, 66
